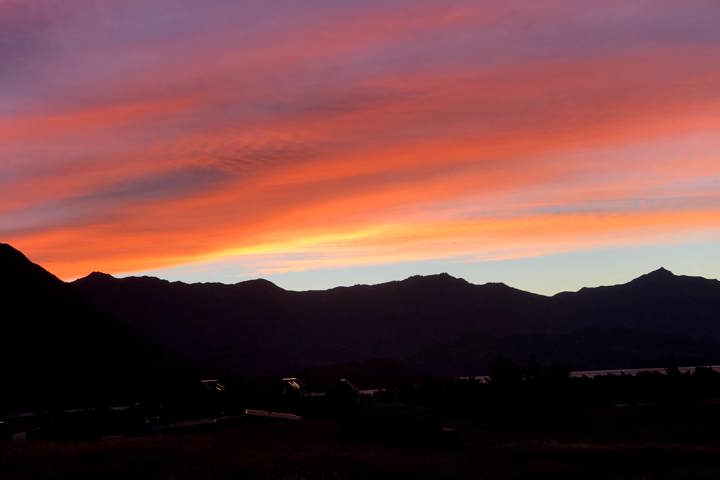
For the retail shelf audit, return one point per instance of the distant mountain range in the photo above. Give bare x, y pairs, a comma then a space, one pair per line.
434, 324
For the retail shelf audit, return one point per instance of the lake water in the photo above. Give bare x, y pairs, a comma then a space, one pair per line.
619, 371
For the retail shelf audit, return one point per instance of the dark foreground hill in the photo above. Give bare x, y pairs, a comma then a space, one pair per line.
58, 349
437, 323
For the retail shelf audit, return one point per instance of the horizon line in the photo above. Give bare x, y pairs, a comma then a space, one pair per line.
439, 274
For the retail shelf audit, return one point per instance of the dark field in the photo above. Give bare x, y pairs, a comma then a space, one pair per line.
311, 449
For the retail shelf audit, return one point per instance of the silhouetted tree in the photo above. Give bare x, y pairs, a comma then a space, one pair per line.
504, 372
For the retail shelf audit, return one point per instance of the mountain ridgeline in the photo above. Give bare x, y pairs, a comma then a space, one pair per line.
58, 349
437, 324
102, 336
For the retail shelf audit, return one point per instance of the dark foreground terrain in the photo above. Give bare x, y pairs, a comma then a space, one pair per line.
311, 449
78, 374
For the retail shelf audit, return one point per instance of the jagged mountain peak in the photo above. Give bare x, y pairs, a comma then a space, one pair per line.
99, 276
258, 283
661, 275
444, 278
661, 272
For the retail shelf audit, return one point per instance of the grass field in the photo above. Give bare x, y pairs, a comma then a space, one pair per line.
311, 450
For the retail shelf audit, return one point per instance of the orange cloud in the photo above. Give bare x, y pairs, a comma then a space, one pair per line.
387, 134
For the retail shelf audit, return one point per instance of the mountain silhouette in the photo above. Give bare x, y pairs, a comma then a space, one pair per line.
103, 339
656, 302
438, 323
256, 326
59, 349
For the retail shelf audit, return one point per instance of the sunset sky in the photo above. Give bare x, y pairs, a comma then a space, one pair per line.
545, 144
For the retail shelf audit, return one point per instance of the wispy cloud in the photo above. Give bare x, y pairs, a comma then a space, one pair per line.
300, 135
